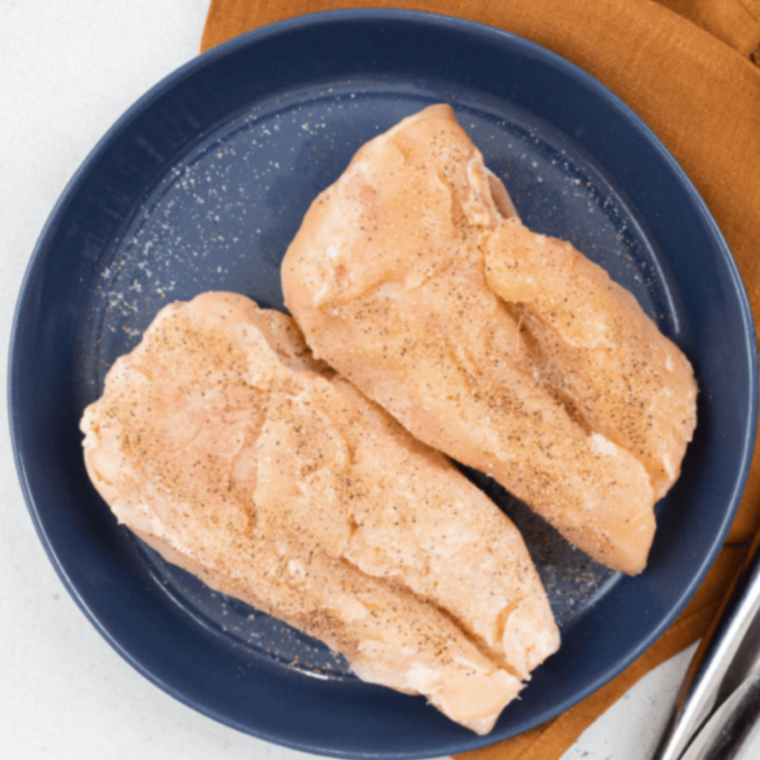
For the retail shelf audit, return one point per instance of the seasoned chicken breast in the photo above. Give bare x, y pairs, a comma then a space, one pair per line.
508, 351
224, 445
595, 349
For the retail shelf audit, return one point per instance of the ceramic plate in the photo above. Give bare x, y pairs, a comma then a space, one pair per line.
202, 184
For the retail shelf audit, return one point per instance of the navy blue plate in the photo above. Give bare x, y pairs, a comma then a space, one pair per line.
202, 184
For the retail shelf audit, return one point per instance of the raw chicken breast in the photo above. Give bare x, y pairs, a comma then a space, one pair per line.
224, 445
602, 357
508, 351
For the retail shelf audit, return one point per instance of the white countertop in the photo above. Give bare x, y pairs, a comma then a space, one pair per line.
68, 69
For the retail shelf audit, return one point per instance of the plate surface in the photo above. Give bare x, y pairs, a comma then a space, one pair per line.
202, 184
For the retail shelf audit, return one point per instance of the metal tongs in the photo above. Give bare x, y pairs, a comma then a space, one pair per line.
717, 715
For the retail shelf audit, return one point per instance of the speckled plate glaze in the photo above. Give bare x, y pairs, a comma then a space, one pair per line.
202, 184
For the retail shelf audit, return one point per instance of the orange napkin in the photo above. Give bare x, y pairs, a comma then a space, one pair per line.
687, 67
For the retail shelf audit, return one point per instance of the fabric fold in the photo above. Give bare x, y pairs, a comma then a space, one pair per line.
735, 22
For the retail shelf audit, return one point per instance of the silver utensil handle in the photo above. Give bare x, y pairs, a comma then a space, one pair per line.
726, 657
732, 728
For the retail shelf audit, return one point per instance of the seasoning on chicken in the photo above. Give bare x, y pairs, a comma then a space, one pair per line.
224, 445
413, 277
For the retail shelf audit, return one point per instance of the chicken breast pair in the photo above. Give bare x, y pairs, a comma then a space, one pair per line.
227, 446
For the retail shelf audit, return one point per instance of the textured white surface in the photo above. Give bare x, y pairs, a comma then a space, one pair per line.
68, 69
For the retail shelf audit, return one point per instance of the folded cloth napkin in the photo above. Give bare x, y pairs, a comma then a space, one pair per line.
687, 67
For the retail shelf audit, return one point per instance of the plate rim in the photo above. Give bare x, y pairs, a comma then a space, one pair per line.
458, 25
